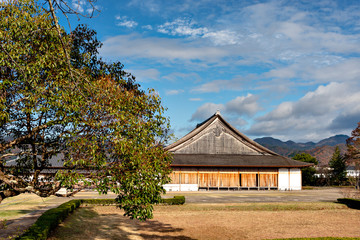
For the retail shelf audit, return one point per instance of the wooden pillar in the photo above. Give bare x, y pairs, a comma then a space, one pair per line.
218, 179
180, 179
258, 180
198, 178
239, 183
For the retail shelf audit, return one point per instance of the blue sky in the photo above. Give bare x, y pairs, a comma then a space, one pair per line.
285, 69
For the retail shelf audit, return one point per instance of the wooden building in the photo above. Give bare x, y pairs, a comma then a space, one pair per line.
217, 156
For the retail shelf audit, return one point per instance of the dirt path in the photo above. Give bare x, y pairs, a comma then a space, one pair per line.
223, 222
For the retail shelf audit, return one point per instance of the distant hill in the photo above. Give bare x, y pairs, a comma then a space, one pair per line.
324, 153
322, 150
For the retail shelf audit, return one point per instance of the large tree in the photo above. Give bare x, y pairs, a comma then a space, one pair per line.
337, 163
307, 173
353, 151
57, 98
35, 86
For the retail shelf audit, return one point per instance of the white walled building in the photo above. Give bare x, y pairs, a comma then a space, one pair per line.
217, 156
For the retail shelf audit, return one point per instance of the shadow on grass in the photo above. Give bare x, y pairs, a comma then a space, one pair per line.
87, 223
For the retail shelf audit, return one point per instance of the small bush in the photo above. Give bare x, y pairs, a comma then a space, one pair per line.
99, 201
350, 202
176, 200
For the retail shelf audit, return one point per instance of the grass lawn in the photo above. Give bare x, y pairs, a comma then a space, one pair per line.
10, 214
215, 221
22, 204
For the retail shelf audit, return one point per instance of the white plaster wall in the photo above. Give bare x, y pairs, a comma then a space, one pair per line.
295, 179
283, 179
181, 187
171, 187
289, 179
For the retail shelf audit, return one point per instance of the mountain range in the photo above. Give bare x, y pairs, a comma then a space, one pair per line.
322, 150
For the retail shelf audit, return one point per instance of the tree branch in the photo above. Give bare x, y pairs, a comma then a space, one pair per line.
60, 37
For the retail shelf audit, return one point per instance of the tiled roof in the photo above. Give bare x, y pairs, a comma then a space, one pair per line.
234, 160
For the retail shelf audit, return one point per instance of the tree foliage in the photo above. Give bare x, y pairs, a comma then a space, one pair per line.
91, 114
308, 173
353, 150
34, 90
353, 145
338, 165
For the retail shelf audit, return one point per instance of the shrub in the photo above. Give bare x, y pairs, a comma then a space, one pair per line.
176, 200
99, 201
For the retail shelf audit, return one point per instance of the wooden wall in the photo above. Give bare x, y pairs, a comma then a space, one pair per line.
217, 139
226, 178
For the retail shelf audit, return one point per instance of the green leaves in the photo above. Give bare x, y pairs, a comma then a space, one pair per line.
93, 114
120, 147
337, 163
308, 173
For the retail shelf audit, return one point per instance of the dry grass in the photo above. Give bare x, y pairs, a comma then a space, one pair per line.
216, 221
15, 207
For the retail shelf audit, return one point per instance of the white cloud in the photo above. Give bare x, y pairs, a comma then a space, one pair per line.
149, 5
236, 83
223, 37
310, 38
78, 5
240, 106
182, 27
175, 76
206, 110
243, 105
316, 115
316, 70
174, 92
195, 99
123, 21
346, 70
186, 27
284, 50
136, 46
214, 86
238, 122
147, 27
145, 75
266, 34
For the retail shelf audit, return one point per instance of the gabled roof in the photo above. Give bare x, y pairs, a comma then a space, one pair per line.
217, 119
215, 142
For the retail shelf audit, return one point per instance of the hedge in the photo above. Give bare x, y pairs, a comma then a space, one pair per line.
103, 202
176, 200
350, 202
50, 219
